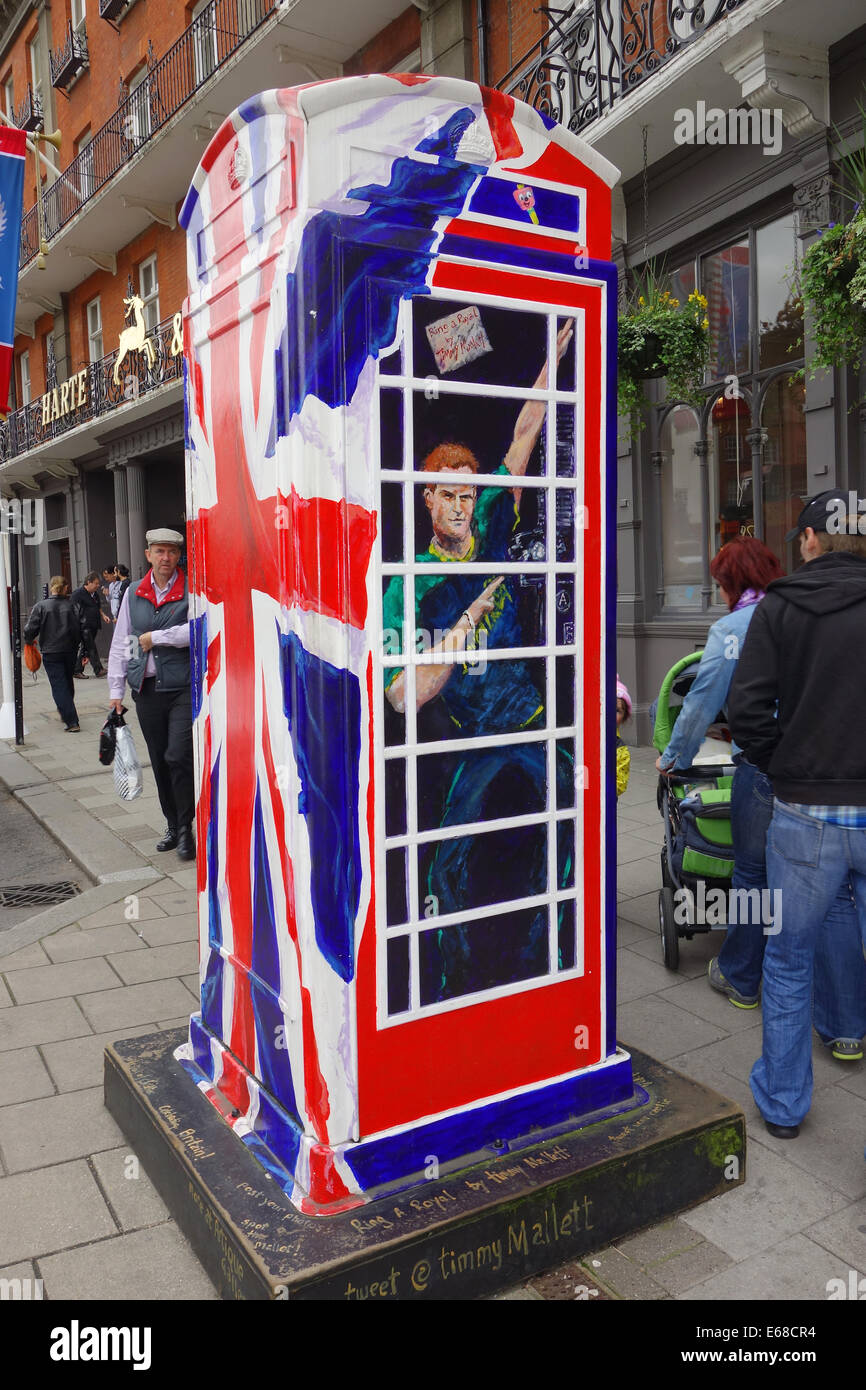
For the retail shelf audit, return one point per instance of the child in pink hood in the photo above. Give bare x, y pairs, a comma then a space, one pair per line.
623, 757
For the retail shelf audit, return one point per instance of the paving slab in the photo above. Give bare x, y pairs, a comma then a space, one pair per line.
167, 930
157, 963
697, 997
689, 1268
5, 997
29, 1024
642, 908
663, 1029
114, 1008
50, 1210
142, 1265
830, 1143
27, 956
78, 1063
82, 945
843, 1234
624, 1277
115, 914
795, 1270
23, 1076
778, 1200
637, 976
131, 1195
90, 843
60, 981
36, 1133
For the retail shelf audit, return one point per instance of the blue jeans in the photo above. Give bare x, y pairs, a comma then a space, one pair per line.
839, 1001
808, 861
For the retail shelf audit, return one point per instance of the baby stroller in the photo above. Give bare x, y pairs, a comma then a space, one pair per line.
695, 806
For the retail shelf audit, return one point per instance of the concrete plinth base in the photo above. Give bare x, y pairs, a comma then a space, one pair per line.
463, 1236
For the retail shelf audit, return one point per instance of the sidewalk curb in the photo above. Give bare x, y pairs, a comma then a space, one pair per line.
89, 844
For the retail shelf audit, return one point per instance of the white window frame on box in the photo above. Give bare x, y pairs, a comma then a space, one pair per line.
148, 289
94, 330
24, 367
78, 14
9, 97
204, 41
410, 476
35, 68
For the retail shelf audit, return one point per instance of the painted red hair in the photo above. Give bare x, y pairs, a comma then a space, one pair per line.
744, 563
446, 458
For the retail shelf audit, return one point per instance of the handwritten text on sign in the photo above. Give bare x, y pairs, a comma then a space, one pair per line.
458, 339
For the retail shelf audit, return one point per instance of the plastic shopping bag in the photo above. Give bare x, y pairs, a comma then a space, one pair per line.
128, 781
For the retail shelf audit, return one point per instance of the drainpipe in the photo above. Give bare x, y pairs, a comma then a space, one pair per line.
481, 20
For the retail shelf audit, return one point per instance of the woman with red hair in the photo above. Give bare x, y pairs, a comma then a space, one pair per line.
743, 569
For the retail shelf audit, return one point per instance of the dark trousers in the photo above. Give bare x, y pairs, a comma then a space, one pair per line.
58, 669
88, 649
165, 717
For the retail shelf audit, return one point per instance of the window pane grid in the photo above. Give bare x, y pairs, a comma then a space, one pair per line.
550, 488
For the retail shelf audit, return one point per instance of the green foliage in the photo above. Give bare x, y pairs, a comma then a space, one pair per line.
833, 283
659, 336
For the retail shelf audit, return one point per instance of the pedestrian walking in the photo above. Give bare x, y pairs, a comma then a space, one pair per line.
150, 649
55, 623
805, 657
91, 616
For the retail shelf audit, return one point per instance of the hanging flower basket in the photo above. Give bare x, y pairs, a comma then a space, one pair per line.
833, 284
660, 337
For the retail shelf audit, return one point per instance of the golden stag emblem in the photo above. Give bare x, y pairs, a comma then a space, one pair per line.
134, 338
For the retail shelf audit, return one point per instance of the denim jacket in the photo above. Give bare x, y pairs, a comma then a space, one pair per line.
710, 689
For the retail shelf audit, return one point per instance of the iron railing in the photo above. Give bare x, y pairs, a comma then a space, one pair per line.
113, 9
597, 51
67, 62
209, 41
29, 115
31, 425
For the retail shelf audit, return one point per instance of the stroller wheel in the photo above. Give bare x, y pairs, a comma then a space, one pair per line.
668, 929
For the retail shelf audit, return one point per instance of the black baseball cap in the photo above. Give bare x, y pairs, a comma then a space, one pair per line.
817, 511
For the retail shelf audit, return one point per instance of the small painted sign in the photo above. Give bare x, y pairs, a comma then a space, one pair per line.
458, 339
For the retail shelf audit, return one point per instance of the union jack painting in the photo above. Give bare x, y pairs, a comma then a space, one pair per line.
319, 218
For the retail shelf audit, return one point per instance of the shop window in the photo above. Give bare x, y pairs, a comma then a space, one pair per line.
780, 316
148, 289
682, 509
483, 827
94, 330
725, 280
785, 484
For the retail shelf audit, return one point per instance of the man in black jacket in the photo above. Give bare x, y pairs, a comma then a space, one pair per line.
806, 653
55, 621
91, 615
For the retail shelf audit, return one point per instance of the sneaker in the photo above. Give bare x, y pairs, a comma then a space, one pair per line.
845, 1049
73, 728
81, 675
718, 981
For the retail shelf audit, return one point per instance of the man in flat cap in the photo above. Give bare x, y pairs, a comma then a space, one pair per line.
150, 649
796, 710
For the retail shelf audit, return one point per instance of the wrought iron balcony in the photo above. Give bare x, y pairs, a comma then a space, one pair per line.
29, 115
31, 425
596, 52
70, 60
210, 41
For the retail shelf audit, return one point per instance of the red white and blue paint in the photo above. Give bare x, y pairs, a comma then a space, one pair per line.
314, 213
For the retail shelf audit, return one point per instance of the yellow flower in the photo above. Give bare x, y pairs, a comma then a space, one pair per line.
705, 324
675, 303
641, 300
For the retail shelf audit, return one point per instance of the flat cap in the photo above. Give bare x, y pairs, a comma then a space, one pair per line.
164, 535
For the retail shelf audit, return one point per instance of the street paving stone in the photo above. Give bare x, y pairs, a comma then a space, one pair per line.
159, 963
37, 1023
99, 941
133, 1197
79, 1062
795, 1270
156, 1263
51, 1209
114, 1008
56, 981
36, 1133
23, 1076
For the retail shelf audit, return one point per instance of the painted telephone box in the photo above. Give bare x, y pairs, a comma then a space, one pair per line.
400, 353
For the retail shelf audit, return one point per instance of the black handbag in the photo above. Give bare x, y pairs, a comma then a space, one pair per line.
108, 736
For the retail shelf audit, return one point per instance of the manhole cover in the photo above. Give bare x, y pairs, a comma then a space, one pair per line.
36, 894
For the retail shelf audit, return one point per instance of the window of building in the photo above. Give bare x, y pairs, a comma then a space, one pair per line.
9, 98
204, 39
24, 369
755, 331
138, 112
35, 68
79, 16
86, 181
94, 330
148, 289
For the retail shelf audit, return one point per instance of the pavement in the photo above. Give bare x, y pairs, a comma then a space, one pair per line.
77, 1209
